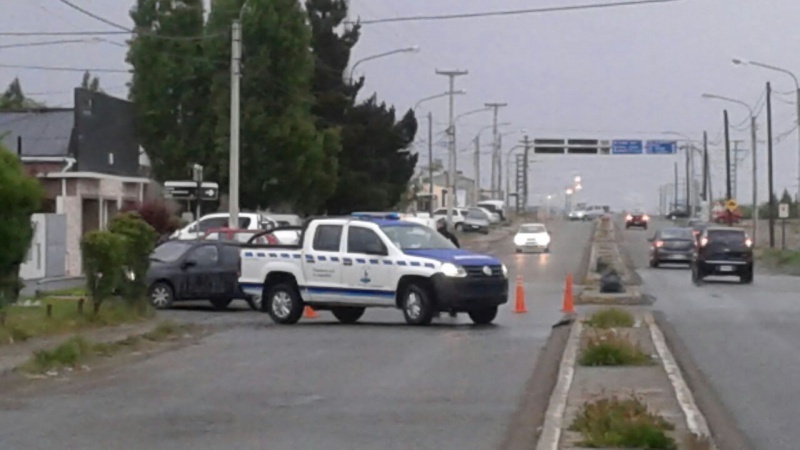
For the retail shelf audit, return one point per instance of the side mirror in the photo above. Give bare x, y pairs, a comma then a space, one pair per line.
188, 263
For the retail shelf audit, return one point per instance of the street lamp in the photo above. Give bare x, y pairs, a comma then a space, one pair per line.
434, 97
412, 49
797, 101
753, 144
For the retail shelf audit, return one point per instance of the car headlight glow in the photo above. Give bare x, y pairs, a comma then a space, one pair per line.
545, 239
519, 239
452, 270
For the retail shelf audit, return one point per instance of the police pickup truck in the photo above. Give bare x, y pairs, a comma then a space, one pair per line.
348, 264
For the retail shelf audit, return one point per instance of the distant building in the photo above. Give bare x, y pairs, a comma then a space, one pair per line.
88, 159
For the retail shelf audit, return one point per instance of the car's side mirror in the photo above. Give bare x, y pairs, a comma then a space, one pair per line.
188, 263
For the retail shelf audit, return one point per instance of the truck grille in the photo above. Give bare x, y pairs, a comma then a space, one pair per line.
477, 271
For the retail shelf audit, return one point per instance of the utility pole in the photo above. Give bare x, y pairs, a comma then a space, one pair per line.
430, 163
728, 196
233, 162
197, 176
497, 196
451, 194
477, 161
688, 201
527, 144
495, 185
769, 169
675, 198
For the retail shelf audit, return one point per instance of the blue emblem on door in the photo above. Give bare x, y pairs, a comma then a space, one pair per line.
365, 279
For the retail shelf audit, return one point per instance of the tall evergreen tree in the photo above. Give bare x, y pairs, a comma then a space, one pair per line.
14, 98
374, 168
90, 83
171, 87
286, 162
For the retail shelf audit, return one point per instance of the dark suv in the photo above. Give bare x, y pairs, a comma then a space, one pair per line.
636, 219
723, 251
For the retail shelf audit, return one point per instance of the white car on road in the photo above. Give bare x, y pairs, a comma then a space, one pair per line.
532, 236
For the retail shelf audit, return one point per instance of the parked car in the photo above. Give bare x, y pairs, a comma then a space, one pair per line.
493, 216
672, 246
247, 221
476, 219
288, 235
532, 236
195, 270
494, 206
723, 251
458, 216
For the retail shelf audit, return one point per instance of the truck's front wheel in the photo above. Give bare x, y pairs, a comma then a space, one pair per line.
283, 304
348, 314
417, 305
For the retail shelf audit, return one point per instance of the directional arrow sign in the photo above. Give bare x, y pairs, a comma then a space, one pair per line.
187, 190
209, 192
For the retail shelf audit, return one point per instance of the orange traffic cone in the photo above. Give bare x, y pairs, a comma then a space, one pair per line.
569, 304
309, 313
519, 297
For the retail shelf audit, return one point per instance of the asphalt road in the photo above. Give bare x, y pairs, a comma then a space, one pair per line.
316, 385
745, 339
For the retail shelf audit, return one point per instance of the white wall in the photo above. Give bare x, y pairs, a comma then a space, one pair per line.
35, 262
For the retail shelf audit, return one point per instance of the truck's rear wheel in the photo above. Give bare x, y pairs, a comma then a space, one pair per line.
348, 314
483, 316
283, 303
417, 305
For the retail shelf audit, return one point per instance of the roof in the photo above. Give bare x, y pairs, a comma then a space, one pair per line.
44, 132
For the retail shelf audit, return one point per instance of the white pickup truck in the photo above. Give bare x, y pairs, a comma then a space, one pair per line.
348, 264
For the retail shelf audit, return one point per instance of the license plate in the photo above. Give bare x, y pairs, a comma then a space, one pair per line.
677, 257
726, 269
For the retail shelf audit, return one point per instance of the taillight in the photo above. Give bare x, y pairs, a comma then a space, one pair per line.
703, 242
659, 244
748, 242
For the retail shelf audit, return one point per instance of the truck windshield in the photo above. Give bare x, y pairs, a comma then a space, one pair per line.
416, 237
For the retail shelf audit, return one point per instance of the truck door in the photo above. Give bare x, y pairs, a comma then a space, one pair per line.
365, 269
322, 264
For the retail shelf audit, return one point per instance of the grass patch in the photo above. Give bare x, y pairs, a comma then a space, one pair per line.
779, 258
25, 322
77, 350
78, 291
622, 423
609, 349
610, 318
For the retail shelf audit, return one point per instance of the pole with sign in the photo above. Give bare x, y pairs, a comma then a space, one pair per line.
197, 177
783, 214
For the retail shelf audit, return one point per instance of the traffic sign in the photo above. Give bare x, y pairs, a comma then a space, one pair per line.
731, 205
187, 190
783, 211
626, 147
661, 147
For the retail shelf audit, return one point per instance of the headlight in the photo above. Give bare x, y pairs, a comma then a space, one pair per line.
505, 270
452, 270
519, 240
545, 239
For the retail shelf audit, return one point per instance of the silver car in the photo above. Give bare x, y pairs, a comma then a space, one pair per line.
476, 220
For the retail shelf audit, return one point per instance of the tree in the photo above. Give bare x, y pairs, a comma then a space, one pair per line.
14, 98
90, 83
20, 197
140, 239
171, 87
373, 142
103, 259
285, 160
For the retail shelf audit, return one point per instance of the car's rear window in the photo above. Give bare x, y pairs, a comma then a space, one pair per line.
727, 236
676, 233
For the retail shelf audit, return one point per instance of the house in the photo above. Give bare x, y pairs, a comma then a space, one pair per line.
465, 191
89, 163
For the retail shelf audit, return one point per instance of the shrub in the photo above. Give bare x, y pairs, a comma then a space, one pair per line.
140, 238
611, 318
20, 197
157, 214
103, 260
622, 423
608, 349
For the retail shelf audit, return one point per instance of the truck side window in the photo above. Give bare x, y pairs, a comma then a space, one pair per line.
327, 238
363, 241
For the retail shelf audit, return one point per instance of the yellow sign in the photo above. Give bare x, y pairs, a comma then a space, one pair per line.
731, 205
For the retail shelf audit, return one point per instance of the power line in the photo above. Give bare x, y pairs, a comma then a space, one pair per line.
516, 12
61, 33
58, 42
62, 69
94, 16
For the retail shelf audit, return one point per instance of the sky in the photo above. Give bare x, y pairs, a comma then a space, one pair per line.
620, 73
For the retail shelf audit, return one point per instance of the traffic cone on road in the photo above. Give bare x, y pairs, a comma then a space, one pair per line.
519, 297
568, 306
309, 313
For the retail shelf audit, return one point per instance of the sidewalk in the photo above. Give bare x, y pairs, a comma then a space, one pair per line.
13, 355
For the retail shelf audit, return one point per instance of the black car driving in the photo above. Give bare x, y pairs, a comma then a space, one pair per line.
671, 246
723, 251
195, 270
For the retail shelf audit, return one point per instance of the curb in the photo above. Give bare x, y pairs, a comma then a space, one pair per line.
695, 420
554, 418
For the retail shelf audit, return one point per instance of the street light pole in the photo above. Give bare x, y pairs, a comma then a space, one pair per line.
451, 74
495, 185
233, 159
412, 49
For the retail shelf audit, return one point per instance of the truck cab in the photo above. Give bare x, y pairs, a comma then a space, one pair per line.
348, 264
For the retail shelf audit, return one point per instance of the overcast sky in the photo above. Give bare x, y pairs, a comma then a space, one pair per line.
625, 73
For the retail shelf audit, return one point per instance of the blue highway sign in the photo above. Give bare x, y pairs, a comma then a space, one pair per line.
662, 147
626, 147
